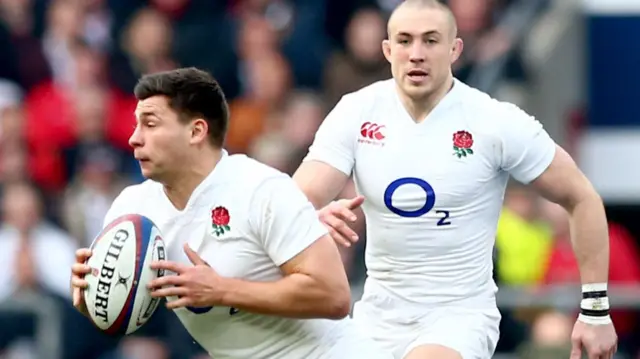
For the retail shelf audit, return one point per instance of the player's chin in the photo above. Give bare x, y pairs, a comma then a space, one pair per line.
417, 91
147, 169
417, 82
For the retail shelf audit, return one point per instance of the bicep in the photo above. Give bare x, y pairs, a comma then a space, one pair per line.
321, 261
320, 181
563, 182
331, 158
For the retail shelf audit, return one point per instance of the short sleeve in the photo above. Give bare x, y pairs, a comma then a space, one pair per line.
334, 142
527, 149
284, 220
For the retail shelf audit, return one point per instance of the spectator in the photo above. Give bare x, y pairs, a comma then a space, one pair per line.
362, 61
36, 255
145, 47
266, 79
24, 51
523, 240
52, 117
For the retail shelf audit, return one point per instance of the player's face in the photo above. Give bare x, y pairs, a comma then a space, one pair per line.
160, 141
421, 48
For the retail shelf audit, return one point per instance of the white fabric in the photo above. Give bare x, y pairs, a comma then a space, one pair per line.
271, 221
442, 253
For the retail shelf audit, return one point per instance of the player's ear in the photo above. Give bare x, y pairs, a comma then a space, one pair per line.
386, 49
199, 129
456, 49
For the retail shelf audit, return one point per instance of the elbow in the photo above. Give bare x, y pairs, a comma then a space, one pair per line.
580, 193
588, 197
339, 304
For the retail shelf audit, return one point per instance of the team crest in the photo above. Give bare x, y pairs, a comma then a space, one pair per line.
462, 143
220, 220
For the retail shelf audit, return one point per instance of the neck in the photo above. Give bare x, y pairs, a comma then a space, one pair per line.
420, 108
180, 188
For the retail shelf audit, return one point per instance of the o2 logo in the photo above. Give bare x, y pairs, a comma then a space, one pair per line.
429, 203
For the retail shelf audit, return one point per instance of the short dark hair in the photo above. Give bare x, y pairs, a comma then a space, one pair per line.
192, 93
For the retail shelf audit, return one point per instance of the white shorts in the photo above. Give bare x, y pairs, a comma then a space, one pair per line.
355, 344
472, 332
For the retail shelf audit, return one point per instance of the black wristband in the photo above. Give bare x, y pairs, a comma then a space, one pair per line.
594, 313
595, 294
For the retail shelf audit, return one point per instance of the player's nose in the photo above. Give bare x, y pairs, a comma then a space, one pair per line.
136, 138
417, 53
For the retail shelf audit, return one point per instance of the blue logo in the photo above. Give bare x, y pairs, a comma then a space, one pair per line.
429, 203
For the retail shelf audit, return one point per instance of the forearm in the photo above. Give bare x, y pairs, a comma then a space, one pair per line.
590, 238
295, 296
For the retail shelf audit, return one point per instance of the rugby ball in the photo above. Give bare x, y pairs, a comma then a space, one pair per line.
117, 298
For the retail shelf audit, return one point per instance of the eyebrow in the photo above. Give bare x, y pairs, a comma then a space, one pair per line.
144, 114
428, 33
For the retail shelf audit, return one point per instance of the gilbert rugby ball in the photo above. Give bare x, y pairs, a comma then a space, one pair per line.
117, 298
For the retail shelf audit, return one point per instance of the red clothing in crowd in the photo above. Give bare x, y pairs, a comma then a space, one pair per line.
624, 267
50, 119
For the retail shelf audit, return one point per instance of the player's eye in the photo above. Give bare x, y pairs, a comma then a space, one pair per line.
403, 41
432, 41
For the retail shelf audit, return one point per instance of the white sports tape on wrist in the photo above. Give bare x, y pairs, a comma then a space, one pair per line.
594, 320
594, 287
595, 303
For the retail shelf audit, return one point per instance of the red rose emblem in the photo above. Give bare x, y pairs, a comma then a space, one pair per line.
462, 142
220, 216
462, 139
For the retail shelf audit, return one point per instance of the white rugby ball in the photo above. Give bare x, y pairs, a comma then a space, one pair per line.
117, 298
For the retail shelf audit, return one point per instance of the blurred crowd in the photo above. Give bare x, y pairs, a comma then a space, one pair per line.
67, 71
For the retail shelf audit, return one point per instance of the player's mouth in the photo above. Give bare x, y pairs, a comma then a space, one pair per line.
142, 159
417, 75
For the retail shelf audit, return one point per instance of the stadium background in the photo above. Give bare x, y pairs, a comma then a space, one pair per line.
67, 69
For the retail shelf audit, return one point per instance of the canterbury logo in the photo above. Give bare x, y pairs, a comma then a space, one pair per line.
372, 131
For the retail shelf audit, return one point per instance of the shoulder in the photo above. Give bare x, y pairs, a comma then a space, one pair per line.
256, 190
259, 184
245, 175
481, 102
490, 115
140, 190
141, 198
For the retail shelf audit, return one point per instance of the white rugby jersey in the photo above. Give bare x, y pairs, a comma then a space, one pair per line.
434, 189
245, 219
